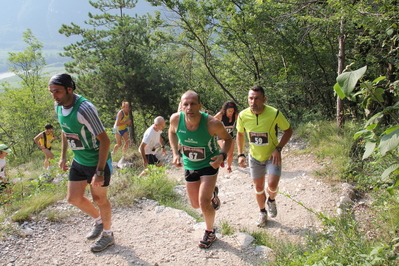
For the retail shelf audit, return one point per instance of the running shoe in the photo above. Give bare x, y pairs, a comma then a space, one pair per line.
272, 208
97, 229
215, 200
105, 241
209, 238
262, 219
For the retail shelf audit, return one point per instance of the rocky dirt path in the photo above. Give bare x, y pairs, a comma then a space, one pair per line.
149, 234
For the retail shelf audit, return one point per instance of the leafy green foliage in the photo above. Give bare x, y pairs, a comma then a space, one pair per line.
381, 131
26, 109
117, 61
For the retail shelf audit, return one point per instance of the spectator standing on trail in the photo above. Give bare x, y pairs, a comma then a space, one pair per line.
228, 115
43, 140
4, 151
120, 127
84, 133
196, 132
152, 139
260, 122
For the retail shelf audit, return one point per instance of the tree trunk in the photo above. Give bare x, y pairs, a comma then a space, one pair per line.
341, 63
132, 133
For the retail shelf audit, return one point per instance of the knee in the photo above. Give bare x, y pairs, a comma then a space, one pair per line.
205, 202
259, 187
76, 201
100, 201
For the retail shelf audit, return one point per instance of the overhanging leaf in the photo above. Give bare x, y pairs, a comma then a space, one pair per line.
391, 188
375, 119
359, 133
389, 142
347, 80
389, 170
339, 92
378, 79
370, 146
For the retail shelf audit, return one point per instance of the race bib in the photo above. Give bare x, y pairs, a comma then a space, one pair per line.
229, 129
194, 154
259, 139
74, 141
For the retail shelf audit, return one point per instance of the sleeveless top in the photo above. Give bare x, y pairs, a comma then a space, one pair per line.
83, 143
124, 119
229, 125
197, 147
46, 140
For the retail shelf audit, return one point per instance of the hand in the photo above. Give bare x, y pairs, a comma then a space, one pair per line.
145, 164
163, 152
217, 161
128, 122
63, 165
276, 158
177, 161
97, 181
242, 161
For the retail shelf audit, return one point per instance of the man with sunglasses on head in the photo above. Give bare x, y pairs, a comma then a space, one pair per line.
84, 133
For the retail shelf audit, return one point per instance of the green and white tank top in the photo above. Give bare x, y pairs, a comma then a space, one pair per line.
197, 147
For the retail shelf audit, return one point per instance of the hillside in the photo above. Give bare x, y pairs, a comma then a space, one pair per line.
149, 234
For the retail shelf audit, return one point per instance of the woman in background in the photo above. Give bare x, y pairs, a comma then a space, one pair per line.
121, 130
228, 115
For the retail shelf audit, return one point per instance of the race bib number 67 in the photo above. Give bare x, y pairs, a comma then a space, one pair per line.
259, 139
194, 153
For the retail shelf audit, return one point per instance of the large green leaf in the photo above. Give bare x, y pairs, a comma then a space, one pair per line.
347, 80
370, 146
389, 170
389, 142
339, 92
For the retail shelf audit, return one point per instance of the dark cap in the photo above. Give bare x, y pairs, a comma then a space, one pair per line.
64, 80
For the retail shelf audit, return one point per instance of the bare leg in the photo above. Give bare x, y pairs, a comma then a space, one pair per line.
118, 142
76, 197
99, 195
200, 194
260, 186
127, 141
272, 181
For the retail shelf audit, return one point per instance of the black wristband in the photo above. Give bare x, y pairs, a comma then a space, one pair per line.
279, 149
162, 147
224, 155
241, 155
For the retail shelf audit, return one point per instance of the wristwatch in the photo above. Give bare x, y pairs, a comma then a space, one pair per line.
100, 173
224, 155
279, 149
241, 155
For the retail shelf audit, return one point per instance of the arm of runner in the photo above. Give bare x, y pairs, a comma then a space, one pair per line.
276, 155
142, 152
64, 147
37, 140
240, 140
105, 143
162, 146
218, 116
173, 139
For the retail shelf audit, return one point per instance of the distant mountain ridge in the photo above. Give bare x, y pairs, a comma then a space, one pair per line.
44, 18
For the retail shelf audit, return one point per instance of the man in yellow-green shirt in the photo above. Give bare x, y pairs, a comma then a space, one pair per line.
260, 122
